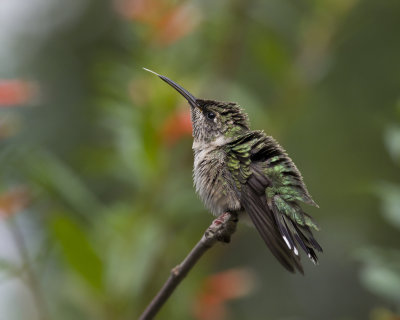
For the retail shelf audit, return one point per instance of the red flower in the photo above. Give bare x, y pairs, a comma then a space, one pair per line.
177, 126
217, 289
16, 92
167, 23
175, 24
13, 201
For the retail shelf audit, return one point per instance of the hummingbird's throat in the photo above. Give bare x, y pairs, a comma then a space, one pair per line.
219, 141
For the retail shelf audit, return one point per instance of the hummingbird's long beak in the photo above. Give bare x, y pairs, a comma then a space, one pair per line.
188, 96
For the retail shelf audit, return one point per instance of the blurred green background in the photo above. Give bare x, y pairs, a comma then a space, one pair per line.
96, 196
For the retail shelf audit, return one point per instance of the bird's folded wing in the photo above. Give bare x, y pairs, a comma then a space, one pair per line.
270, 186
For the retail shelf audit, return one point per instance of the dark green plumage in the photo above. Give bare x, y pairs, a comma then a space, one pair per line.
247, 172
270, 188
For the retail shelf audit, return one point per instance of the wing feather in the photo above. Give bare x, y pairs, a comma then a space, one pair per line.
270, 187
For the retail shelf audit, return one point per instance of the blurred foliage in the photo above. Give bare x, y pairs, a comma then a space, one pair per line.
96, 196
381, 271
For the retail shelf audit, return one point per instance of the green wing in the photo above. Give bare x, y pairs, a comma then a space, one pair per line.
270, 189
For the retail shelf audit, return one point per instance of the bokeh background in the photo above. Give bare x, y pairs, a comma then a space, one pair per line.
96, 196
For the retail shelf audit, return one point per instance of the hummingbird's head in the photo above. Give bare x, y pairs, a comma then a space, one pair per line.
212, 120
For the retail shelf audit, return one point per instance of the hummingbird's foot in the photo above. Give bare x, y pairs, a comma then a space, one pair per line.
223, 227
223, 218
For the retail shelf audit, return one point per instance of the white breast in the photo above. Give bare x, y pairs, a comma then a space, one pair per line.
208, 175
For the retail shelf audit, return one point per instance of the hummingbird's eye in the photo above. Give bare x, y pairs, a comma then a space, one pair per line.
210, 115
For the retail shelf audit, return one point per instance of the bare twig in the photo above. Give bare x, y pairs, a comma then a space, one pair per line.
221, 229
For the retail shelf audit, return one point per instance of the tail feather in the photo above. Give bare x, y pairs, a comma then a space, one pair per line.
255, 205
307, 242
294, 225
283, 228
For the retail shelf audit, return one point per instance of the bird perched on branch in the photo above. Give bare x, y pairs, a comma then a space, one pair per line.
246, 171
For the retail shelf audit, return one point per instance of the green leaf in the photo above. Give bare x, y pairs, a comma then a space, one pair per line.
392, 142
60, 180
382, 281
381, 271
9, 268
78, 251
390, 195
134, 252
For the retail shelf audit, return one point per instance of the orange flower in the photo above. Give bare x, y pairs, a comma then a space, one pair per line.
13, 201
175, 24
166, 23
140, 10
16, 92
177, 126
217, 289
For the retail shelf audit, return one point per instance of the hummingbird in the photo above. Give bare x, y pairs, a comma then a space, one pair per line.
247, 172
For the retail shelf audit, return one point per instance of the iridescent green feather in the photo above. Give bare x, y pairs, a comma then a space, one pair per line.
238, 154
286, 186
